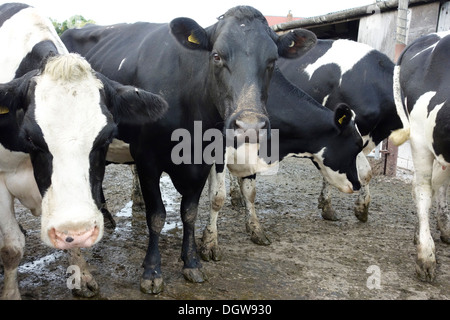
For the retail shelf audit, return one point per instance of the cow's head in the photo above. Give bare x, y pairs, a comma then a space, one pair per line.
241, 52
344, 143
67, 116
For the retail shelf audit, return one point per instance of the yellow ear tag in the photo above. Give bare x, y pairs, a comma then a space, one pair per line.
4, 110
193, 39
342, 119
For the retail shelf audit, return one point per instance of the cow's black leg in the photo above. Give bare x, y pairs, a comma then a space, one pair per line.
192, 265
152, 281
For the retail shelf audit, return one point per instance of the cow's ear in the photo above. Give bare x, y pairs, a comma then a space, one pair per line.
13, 94
189, 33
130, 105
296, 43
342, 116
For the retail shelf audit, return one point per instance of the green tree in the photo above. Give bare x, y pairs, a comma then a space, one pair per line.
76, 21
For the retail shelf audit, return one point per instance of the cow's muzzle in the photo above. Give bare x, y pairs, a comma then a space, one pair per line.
248, 127
68, 239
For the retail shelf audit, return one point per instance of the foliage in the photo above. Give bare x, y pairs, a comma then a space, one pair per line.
76, 21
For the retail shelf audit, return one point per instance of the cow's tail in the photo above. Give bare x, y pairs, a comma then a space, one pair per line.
400, 136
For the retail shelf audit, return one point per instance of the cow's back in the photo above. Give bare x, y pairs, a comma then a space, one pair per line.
424, 67
141, 54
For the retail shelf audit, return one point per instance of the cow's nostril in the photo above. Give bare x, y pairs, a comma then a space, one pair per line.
69, 239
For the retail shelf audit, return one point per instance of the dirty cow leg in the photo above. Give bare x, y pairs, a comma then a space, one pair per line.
12, 243
209, 248
192, 269
441, 179
136, 194
328, 212
236, 196
248, 189
88, 285
152, 281
362, 204
422, 191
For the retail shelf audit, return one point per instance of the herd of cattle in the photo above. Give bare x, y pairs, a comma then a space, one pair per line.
115, 94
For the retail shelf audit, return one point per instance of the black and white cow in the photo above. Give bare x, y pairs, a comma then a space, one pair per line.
217, 77
345, 71
422, 97
57, 117
335, 72
306, 129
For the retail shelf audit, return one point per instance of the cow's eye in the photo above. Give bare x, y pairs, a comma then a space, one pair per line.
217, 58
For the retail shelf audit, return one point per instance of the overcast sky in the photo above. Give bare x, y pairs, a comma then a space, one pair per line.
204, 12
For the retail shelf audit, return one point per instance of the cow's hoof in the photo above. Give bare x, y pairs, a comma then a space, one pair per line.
426, 271
209, 249
362, 215
330, 215
195, 275
88, 289
154, 286
257, 234
208, 253
260, 238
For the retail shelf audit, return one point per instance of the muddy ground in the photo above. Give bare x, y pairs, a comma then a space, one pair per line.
309, 258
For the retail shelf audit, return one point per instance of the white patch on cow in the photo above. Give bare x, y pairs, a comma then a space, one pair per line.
119, 152
324, 102
12, 35
64, 104
349, 52
121, 64
10, 159
364, 168
422, 124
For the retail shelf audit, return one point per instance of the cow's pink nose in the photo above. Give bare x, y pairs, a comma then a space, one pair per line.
73, 239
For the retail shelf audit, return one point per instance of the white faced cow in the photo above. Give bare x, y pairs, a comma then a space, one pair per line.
422, 96
57, 118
